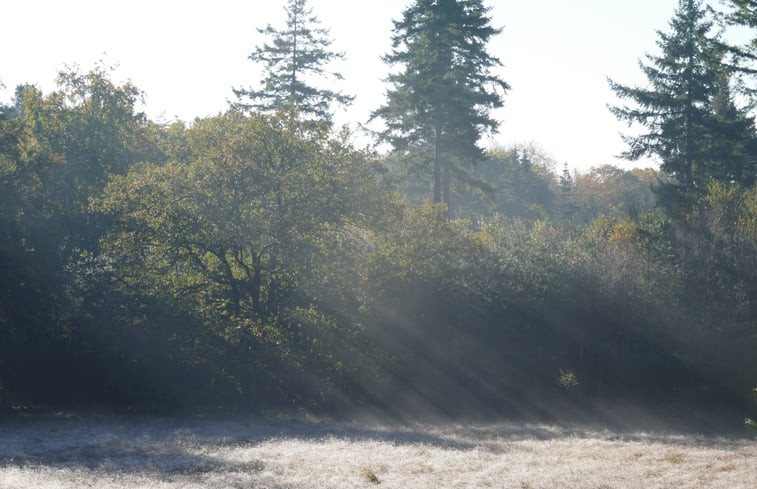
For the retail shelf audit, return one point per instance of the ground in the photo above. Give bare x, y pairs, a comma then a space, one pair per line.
70, 451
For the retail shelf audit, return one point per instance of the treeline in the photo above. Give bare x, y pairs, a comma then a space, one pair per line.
257, 260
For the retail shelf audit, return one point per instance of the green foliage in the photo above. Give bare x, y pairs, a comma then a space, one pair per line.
439, 103
744, 13
749, 423
58, 151
257, 260
719, 236
235, 232
507, 182
691, 122
296, 55
567, 379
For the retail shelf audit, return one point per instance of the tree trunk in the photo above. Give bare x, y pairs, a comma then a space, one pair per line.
293, 81
437, 166
255, 283
446, 164
233, 283
272, 302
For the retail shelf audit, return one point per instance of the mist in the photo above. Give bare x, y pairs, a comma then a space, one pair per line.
254, 298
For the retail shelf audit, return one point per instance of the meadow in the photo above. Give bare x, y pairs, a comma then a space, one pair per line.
69, 451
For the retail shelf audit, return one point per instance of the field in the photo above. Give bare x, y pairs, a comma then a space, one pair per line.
66, 451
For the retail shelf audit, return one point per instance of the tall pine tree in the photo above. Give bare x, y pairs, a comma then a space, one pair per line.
692, 124
440, 101
296, 55
743, 12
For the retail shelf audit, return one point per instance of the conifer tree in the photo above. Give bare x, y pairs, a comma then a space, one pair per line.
733, 141
692, 124
744, 12
295, 56
440, 101
567, 186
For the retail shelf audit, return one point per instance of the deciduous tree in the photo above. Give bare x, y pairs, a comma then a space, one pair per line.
235, 233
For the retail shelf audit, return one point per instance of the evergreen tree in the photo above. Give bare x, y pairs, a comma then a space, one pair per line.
439, 103
692, 124
567, 186
744, 12
733, 141
296, 55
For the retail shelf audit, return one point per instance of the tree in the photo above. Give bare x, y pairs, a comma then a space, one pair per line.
692, 124
608, 189
514, 181
295, 56
234, 234
733, 141
441, 100
567, 187
56, 152
744, 13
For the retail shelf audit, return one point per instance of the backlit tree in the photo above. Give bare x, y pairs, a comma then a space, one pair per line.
440, 101
296, 56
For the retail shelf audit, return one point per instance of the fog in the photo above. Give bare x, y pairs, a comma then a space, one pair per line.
436, 315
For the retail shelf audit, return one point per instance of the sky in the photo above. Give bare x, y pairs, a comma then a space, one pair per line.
186, 56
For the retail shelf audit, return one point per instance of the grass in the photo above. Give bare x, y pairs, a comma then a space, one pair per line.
370, 475
164, 453
674, 457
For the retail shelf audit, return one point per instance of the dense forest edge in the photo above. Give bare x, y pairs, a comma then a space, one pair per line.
258, 260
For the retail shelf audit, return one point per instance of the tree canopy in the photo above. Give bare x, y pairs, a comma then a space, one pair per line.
296, 56
439, 102
258, 260
689, 116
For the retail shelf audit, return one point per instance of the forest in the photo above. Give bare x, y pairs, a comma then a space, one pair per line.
259, 260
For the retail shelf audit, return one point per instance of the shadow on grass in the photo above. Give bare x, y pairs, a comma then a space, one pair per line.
166, 447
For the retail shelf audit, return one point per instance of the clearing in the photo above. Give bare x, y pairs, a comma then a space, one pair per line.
67, 451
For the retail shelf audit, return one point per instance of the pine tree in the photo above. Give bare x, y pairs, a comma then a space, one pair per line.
567, 186
744, 12
440, 102
692, 124
733, 141
296, 55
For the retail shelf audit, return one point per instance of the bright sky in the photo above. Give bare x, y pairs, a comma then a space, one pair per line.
187, 55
